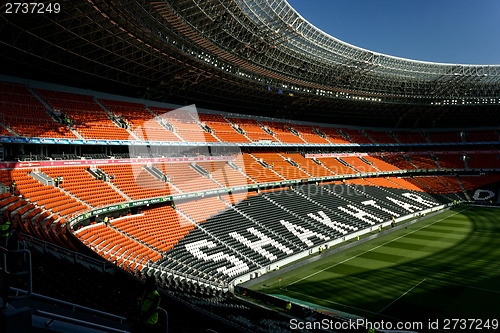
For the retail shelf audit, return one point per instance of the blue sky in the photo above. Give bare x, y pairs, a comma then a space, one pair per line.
449, 31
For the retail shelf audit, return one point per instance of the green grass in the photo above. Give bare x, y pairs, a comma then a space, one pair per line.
447, 266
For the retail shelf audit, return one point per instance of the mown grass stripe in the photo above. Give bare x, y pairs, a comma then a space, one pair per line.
374, 248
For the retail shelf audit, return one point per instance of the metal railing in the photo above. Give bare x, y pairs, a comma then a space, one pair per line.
45, 246
74, 307
6, 274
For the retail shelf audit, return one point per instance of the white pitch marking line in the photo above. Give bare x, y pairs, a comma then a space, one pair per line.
343, 261
406, 292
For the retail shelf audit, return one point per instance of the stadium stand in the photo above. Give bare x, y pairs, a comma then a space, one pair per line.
356, 136
482, 136
337, 165
311, 134
445, 137
483, 161
424, 162
381, 137
144, 185
471, 183
410, 137
256, 171
143, 123
84, 114
308, 165
282, 132
252, 129
22, 114
116, 246
187, 178
288, 169
380, 164
360, 164
47, 196
186, 125
225, 175
451, 161
222, 128
334, 136
400, 161
79, 182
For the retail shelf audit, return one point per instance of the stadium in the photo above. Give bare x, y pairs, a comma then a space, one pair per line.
268, 176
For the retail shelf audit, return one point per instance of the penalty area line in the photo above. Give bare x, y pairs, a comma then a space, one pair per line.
406, 292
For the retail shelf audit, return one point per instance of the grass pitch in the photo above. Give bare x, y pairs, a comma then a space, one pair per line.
445, 267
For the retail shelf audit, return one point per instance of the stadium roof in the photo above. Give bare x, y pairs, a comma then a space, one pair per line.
246, 56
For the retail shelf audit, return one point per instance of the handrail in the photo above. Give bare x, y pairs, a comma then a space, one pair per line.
59, 249
166, 318
55, 316
74, 306
7, 287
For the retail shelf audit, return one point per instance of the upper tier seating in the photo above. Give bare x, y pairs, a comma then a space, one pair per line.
424, 162
282, 133
26, 116
142, 122
252, 129
88, 118
186, 124
410, 137
222, 128
307, 133
380, 136
356, 136
482, 136
334, 136
444, 137
451, 161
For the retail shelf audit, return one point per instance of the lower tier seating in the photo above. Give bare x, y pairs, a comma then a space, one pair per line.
272, 225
